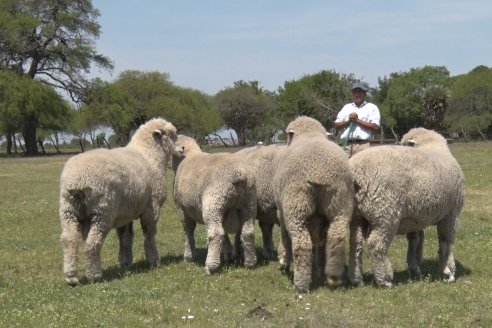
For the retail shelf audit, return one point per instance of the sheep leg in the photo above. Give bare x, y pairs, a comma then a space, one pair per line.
445, 233
414, 253
358, 232
303, 257
70, 238
215, 235
335, 250
378, 243
189, 226
125, 236
267, 236
248, 242
94, 242
285, 247
149, 228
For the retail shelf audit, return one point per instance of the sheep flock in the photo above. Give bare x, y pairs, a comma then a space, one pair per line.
322, 201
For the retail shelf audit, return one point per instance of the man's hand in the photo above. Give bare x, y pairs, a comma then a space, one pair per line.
353, 117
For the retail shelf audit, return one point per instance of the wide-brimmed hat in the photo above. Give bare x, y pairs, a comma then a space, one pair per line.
359, 85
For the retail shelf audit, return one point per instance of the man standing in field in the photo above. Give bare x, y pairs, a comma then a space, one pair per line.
359, 118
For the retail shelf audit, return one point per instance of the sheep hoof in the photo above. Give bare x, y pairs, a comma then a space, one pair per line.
302, 290
210, 270
385, 284
334, 281
95, 278
448, 276
72, 280
188, 258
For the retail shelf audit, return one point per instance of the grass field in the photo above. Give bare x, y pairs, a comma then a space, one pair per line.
33, 292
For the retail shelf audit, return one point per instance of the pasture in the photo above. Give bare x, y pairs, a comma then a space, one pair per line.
33, 292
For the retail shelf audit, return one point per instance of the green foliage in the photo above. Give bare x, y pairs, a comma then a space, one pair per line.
403, 97
244, 107
470, 108
53, 40
135, 97
320, 96
33, 292
24, 100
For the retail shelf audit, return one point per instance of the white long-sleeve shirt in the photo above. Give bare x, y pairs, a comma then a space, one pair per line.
367, 112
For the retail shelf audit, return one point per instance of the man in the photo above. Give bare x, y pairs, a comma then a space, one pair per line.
359, 119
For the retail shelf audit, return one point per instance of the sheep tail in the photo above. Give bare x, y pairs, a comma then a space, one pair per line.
80, 196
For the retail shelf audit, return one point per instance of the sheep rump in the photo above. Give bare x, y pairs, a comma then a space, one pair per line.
219, 191
314, 196
402, 190
103, 189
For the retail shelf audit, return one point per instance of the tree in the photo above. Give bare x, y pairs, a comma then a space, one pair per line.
470, 104
243, 107
52, 40
413, 98
135, 97
320, 96
22, 97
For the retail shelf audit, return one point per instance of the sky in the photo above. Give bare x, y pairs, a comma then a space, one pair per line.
208, 45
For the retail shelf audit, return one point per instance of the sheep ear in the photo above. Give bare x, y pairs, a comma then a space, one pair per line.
290, 136
410, 143
157, 133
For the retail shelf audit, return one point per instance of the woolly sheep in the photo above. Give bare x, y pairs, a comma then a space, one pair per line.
314, 194
261, 159
104, 189
216, 190
402, 190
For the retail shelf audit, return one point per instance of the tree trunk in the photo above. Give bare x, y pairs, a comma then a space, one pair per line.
9, 143
21, 147
29, 134
40, 143
55, 144
481, 133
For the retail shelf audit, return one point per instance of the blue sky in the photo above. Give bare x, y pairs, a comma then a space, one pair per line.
207, 45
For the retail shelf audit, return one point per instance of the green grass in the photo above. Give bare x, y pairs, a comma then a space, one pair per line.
33, 292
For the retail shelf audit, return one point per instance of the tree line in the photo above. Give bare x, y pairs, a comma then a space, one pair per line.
47, 48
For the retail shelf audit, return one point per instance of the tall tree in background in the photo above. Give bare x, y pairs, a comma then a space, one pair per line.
243, 107
52, 40
135, 97
21, 97
470, 105
411, 99
319, 95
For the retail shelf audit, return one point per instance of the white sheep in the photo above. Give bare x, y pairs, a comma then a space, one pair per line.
402, 190
104, 189
261, 159
217, 190
314, 194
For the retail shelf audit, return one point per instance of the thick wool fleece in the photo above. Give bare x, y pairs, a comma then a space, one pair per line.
261, 160
104, 189
402, 190
217, 190
314, 195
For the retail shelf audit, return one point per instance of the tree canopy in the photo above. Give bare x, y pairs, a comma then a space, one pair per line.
470, 108
52, 41
243, 107
135, 97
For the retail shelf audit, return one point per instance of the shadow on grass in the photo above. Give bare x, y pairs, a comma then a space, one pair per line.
201, 256
116, 273
430, 272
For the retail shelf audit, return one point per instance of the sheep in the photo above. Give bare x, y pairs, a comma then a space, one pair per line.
402, 190
104, 189
314, 194
261, 159
219, 191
